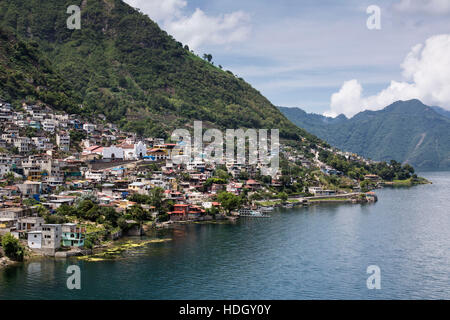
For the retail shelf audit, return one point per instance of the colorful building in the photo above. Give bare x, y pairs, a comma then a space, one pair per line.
72, 235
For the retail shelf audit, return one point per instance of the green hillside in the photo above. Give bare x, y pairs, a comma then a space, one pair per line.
407, 131
25, 74
122, 65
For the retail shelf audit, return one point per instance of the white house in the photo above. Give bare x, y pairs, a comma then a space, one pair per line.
113, 152
35, 239
22, 144
95, 175
134, 151
89, 127
48, 125
4, 169
63, 142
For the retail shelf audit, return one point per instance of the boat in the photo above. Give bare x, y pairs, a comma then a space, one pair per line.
252, 213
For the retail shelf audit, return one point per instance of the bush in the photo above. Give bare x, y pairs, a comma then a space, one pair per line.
12, 247
122, 223
90, 241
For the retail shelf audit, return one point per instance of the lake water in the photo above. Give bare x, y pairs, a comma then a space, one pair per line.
318, 252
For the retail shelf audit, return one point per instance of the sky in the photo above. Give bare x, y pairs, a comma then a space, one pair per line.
321, 55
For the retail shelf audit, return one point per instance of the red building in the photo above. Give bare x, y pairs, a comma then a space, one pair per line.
185, 212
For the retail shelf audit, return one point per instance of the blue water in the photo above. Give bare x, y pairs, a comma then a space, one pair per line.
318, 252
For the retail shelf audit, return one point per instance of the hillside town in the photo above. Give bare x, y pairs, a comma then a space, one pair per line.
68, 183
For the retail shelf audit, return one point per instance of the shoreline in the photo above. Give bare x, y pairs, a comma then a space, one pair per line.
107, 250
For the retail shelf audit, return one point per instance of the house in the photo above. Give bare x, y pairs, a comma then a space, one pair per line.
185, 212
72, 235
4, 169
35, 239
133, 151
7, 225
210, 205
234, 187
41, 142
318, 191
51, 237
139, 187
22, 144
112, 152
63, 142
48, 125
30, 223
89, 127
29, 188
13, 213
252, 185
372, 177
158, 154
95, 175
32, 168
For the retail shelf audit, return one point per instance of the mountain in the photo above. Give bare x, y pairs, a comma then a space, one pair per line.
406, 131
122, 65
25, 72
441, 111
310, 121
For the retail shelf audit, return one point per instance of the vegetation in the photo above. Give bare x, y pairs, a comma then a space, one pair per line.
122, 65
12, 247
382, 135
228, 201
357, 170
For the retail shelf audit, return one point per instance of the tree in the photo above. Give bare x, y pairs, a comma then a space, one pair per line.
111, 216
228, 201
10, 178
156, 197
138, 213
87, 209
122, 223
243, 175
29, 202
12, 247
66, 211
221, 174
208, 57
408, 168
283, 196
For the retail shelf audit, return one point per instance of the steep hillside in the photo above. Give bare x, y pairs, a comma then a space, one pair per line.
314, 123
441, 111
124, 66
26, 73
407, 131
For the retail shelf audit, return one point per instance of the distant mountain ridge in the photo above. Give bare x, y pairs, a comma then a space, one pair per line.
441, 111
407, 131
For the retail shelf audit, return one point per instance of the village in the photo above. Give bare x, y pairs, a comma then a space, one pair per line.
67, 183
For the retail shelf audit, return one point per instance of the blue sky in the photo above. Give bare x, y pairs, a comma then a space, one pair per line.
299, 53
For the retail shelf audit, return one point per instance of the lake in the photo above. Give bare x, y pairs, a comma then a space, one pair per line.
317, 252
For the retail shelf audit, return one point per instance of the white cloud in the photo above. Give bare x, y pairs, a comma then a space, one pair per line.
198, 28
426, 70
438, 7
159, 10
